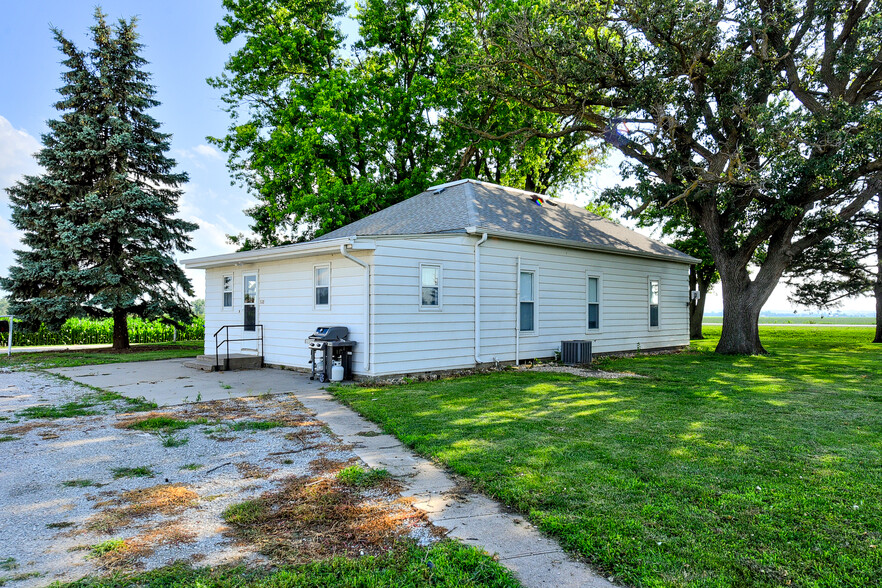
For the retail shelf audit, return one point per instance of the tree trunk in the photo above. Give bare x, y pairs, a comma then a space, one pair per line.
743, 299
696, 307
120, 329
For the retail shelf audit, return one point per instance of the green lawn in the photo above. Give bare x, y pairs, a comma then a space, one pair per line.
447, 564
803, 320
713, 471
76, 357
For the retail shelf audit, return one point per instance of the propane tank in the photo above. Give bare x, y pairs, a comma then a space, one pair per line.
337, 372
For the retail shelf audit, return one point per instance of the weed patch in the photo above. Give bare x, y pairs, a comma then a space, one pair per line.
138, 472
354, 475
78, 483
6, 438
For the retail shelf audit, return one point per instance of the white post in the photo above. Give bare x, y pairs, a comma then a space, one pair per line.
9, 343
518, 314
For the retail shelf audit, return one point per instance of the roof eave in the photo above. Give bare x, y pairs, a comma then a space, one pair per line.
273, 253
514, 236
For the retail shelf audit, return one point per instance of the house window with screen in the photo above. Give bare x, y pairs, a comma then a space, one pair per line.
653, 303
430, 286
527, 303
322, 285
593, 303
228, 291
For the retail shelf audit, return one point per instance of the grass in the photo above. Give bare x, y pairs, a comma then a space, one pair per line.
356, 476
5, 438
87, 405
138, 472
172, 441
713, 471
107, 546
445, 565
165, 424
192, 466
803, 320
254, 425
78, 357
77, 483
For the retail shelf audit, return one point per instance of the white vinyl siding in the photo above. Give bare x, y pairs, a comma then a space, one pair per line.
286, 308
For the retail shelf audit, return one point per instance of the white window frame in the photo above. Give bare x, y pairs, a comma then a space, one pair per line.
535, 301
428, 307
599, 277
232, 292
649, 305
315, 286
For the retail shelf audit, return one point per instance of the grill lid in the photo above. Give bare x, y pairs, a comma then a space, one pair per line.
329, 334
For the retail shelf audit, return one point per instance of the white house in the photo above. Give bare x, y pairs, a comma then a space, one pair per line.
463, 274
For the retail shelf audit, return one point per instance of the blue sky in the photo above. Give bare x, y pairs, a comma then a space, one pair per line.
183, 51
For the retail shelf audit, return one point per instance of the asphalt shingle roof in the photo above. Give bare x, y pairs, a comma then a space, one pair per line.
455, 207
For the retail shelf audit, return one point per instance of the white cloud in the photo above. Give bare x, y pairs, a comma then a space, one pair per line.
17, 150
199, 153
207, 151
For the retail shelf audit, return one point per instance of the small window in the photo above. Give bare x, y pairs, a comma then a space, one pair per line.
322, 285
430, 286
527, 303
228, 291
593, 303
653, 303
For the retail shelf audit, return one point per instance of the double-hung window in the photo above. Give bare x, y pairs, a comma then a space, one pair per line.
653, 303
527, 302
430, 286
322, 281
593, 303
228, 292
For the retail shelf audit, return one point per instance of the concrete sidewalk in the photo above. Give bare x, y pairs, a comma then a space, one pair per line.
474, 519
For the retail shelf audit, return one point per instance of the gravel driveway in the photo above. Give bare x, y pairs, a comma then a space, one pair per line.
118, 491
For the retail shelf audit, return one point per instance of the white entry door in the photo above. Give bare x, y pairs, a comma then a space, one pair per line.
250, 303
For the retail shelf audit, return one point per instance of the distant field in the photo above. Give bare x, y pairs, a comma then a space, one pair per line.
803, 320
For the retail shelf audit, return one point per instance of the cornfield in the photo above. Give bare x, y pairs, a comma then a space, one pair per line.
90, 331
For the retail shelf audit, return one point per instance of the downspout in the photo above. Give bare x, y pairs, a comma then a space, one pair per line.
478, 298
367, 305
518, 314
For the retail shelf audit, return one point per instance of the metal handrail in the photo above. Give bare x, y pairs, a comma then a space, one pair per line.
227, 341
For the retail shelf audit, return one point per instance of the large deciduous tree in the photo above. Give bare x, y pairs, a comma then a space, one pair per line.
324, 134
845, 264
761, 118
99, 221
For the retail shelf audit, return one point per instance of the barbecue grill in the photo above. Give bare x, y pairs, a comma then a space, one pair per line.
326, 346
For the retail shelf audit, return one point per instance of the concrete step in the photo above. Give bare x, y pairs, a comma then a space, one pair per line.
237, 361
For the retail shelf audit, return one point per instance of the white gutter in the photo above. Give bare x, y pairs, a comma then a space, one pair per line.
367, 303
270, 254
513, 236
478, 298
518, 314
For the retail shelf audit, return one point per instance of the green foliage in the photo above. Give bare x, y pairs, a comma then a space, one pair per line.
4, 306
760, 120
169, 440
325, 134
447, 564
80, 331
99, 224
713, 470
87, 405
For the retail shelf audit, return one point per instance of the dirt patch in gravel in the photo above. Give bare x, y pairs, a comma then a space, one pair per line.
96, 494
583, 372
